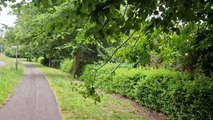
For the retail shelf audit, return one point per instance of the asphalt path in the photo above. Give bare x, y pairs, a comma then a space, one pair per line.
2, 63
33, 99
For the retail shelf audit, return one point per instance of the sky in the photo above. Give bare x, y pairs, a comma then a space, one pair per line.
6, 18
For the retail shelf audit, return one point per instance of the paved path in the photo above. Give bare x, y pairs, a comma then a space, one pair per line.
33, 99
2, 63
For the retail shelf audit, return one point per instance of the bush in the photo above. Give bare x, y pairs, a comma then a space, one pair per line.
10, 52
43, 61
66, 65
40, 60
177, 94
124, 81
107, 79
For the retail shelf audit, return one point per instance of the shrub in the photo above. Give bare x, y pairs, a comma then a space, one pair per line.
66, 65
177, 94
107, 79
43, 61
10, 52
124, 81
40, 60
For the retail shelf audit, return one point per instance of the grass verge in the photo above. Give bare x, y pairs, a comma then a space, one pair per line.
9, 77
74, 106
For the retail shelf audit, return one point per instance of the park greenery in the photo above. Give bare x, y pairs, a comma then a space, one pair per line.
74, 106
9, 77
156, 52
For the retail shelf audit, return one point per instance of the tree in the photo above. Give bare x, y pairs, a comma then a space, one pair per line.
84, 27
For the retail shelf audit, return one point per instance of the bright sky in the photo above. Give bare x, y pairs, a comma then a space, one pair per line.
6, 18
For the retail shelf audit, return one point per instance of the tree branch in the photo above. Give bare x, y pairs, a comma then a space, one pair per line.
136, 41
113, 54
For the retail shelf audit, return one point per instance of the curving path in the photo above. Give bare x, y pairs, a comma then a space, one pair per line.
33, 99
2, 63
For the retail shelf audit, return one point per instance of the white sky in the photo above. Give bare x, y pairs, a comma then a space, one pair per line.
6, 18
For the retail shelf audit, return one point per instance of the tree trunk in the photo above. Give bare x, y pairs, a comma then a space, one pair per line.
49, 62
76, 65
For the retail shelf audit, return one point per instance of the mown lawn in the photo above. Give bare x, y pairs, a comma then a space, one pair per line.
9, 77
74, 106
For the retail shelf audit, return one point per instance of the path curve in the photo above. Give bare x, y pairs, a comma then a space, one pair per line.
2, 63
33, 99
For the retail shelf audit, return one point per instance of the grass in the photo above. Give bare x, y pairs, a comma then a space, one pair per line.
9, 77
74, 106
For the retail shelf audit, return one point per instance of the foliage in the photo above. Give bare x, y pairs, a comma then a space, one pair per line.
43, 22
107, 80
39, 60
66, 65
201, 56
134, 28
186, 51
177, 94
158, 33
9, 51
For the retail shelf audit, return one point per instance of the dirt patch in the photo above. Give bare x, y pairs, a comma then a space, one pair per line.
149, 114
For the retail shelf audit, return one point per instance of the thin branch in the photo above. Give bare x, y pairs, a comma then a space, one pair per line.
116, 67
136, 41
132, 48
113, 54
125, 10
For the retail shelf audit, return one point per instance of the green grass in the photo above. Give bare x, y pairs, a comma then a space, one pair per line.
9, 78
74, 106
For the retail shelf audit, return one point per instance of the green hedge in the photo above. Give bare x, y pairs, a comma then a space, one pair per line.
66, 65
177, 94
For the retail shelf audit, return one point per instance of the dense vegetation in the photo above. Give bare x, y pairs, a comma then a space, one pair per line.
157, 52
177, 94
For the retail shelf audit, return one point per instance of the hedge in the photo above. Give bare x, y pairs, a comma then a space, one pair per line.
177, 94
